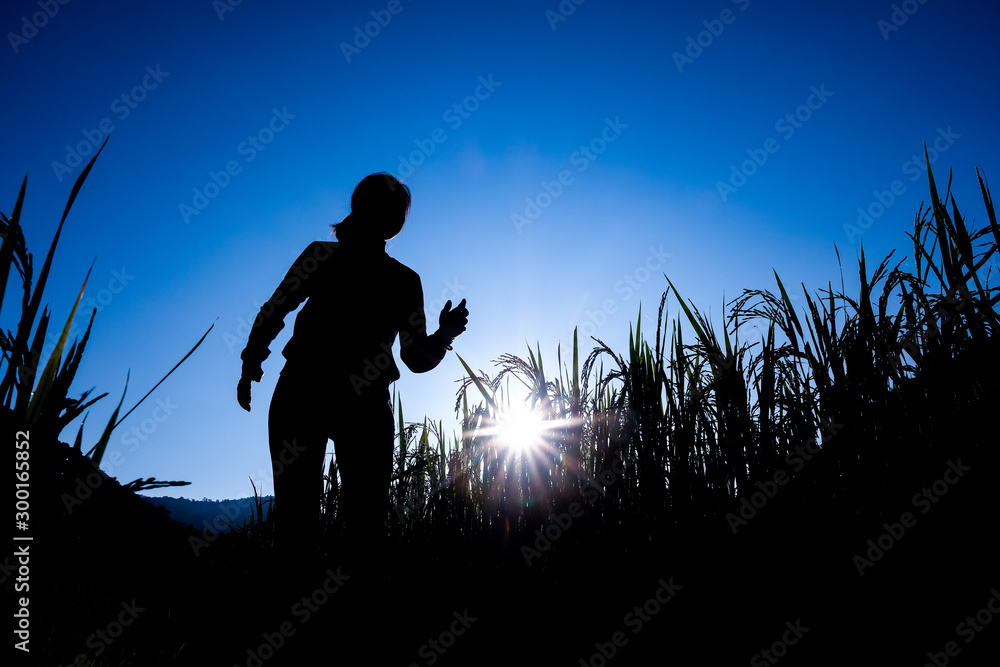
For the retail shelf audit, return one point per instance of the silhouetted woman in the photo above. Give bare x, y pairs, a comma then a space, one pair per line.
339, 365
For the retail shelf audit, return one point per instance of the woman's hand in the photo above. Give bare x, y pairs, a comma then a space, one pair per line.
243, 393
451, 323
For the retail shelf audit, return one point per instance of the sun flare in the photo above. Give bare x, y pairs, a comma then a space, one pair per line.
520, 428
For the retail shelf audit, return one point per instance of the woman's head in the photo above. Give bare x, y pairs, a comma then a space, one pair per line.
379, 207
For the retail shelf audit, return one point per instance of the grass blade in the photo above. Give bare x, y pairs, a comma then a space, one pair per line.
52, 367
190, 352
479, 385
7, 249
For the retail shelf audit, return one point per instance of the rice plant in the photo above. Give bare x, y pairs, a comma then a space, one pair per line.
872, 382
650, 450
40, 401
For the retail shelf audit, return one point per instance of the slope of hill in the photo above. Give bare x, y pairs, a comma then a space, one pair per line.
211, 515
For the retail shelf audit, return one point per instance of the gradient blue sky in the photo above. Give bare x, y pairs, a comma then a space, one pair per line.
649, 198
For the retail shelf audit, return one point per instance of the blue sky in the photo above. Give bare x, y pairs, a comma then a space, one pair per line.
562, 158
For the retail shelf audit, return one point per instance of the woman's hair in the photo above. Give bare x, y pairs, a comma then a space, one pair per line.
379, 207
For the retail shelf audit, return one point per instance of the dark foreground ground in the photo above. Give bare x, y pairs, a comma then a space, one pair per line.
116, 583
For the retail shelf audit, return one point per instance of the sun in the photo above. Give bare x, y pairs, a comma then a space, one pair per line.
520, 429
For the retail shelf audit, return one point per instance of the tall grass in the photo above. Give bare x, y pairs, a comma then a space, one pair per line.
885, 384
41, 401
648, 450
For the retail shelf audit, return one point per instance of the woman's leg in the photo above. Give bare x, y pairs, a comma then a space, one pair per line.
297, 441
363, 433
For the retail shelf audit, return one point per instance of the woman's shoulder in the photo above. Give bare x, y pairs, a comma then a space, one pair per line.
402, 269
317, 252
321, 247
